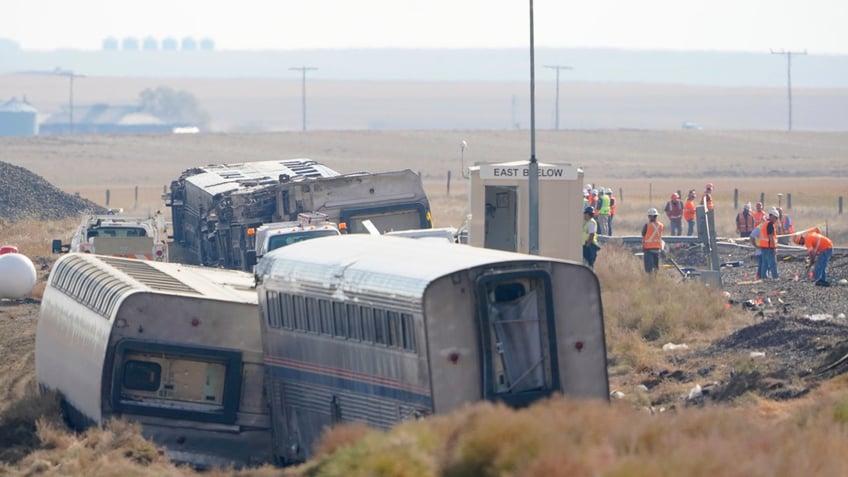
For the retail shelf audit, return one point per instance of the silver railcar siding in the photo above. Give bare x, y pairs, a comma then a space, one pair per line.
320, 379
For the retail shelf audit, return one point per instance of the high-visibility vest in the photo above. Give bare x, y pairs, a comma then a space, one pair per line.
689, 210
652, 240
759, 217
788, 227
816, 242
586, 230
603, 204
765, 240
744, 222
612, 204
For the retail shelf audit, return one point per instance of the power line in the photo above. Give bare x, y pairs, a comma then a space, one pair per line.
788, 55
303, 70
557, 68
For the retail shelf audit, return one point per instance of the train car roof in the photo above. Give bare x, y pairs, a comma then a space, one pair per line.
400, 264
168, 278
221, 178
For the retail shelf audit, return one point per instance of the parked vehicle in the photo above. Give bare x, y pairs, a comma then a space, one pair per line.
140, 237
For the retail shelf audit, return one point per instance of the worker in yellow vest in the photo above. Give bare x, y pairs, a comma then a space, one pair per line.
652, 241
590, 237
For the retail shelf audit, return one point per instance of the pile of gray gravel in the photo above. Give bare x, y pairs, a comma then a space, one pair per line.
24, 195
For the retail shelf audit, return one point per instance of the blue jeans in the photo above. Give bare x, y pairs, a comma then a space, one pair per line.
676, 227
609, 225
820, 270
769, 263
691, 227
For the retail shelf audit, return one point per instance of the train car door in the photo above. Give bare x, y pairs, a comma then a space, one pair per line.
518, 337
501, 222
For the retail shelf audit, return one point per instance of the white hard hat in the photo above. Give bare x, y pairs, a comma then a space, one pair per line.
652, 211
773, 211
609, 191
595, 191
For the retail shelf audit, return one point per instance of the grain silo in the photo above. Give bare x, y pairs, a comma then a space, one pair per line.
18, 118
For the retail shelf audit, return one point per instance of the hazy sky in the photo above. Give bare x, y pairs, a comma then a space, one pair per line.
728, 25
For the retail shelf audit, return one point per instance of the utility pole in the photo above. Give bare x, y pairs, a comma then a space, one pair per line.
557, 68
533, 169
303, 70
788, 55
71, 75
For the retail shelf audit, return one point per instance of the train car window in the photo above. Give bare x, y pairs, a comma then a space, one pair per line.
354, 322
300, 313
142, 376
380, 327
272, 309
407, 331
393, 337
340, 319
312, 315
366, 315
325, 309
286, 310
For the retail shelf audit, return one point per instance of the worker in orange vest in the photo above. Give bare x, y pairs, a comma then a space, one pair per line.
707, 198
674, 212
759, 214
767, 243
819, 249
689, 213
745, 221
652, 241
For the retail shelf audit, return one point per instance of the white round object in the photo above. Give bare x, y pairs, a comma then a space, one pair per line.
843, 282
17, 275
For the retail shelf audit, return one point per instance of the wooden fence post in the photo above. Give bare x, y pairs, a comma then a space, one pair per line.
107, 197
788, 201
449, 178
735, 199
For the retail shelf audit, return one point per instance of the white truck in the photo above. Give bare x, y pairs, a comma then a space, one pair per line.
136, 237
274, 235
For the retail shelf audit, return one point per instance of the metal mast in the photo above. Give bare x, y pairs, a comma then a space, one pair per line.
533, 189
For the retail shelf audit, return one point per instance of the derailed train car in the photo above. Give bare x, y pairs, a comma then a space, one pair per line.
212, 207
392, 200
379, 329
173, 347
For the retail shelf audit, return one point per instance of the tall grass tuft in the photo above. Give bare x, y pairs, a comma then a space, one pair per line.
642, 312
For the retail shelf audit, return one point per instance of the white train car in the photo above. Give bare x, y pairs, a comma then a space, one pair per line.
379, 329
174, 347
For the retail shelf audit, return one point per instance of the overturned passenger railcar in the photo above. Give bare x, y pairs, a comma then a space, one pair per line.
173, 347
212, 207
379, 329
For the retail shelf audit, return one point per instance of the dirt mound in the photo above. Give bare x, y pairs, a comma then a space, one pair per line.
25, 195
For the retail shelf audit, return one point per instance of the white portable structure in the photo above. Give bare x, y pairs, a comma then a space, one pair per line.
499, 208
